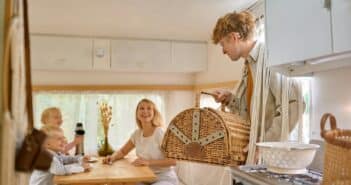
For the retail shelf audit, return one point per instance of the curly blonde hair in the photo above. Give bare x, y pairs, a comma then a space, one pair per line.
47, 113
242, 23
157, 120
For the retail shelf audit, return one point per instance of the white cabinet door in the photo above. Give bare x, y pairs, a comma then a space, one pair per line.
61, 53
341, 15
189, 56
140, 55
297, 30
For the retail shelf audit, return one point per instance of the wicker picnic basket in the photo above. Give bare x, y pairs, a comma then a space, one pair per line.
207, 135
337, 161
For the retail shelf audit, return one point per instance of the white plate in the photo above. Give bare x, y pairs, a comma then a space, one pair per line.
93, 159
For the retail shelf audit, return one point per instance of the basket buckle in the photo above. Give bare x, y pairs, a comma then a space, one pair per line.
194, 150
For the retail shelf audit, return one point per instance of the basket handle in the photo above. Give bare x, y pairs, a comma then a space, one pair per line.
332, 121
198, 97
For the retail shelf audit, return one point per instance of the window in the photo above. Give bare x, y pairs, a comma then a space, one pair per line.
83, 107
302, 132
208, 101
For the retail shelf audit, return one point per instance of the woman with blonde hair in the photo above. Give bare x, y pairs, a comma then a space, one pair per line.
147, 140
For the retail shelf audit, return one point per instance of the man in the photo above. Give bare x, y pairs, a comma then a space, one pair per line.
235, 32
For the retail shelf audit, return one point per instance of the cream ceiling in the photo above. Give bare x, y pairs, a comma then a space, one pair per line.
151, 19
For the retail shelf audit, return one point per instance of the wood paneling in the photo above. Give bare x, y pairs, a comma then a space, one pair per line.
199, 87
110, 87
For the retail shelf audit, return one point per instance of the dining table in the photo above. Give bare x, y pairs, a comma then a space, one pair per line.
120, 172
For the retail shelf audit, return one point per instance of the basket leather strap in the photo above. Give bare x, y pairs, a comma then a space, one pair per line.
196, 126
179, 134
212, 137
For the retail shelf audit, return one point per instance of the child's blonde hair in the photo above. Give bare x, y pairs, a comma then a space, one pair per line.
46, 114
156, 120
49, 130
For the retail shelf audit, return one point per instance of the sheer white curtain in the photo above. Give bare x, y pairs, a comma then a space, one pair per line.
302, 131
83, 107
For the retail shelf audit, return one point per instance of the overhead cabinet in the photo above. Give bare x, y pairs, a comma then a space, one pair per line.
140, 55
297, 30
300, 30
158, 56
189, 56
119, 55
61, 53
341, 15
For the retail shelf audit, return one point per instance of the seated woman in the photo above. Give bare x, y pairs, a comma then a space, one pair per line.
147, 141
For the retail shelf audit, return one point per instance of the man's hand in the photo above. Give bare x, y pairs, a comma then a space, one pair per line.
222, 96
140, 162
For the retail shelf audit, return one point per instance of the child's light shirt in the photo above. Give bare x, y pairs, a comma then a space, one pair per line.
61, 165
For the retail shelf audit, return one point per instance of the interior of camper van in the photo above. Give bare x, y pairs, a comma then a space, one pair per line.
175, 92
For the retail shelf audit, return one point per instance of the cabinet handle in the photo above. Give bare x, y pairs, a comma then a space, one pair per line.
327, 4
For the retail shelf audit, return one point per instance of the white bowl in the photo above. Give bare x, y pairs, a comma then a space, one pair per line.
287, 157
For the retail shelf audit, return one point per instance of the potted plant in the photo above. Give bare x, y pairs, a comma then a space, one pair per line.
105, 116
